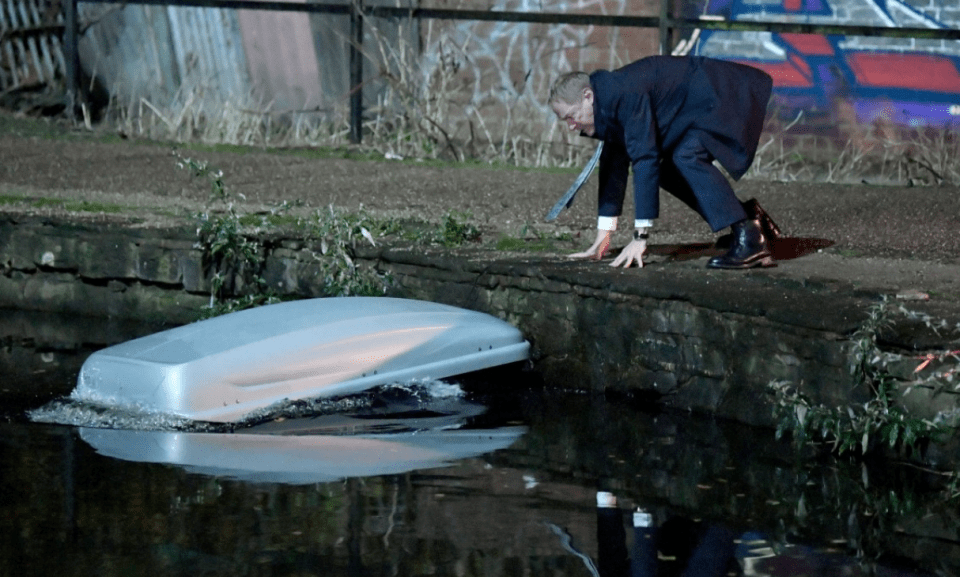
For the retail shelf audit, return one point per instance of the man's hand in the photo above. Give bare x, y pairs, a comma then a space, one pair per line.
598, 248
632, 252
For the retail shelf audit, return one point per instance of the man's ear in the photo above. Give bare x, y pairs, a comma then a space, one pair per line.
588, 95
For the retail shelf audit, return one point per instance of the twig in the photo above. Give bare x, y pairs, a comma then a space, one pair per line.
453, 150
930, 357
82, 29
927, 166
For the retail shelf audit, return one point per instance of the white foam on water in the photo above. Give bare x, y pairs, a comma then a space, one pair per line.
427, 389
70, 411
81, 414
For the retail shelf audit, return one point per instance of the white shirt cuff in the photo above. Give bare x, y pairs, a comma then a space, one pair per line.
606, 223
643, 223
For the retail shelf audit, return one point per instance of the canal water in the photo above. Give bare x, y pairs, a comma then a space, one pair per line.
499, 475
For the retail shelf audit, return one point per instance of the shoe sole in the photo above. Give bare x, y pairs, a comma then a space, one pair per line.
762, 262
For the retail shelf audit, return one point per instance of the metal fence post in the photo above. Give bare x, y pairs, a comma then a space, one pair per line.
72, 55
356, 71
665, 31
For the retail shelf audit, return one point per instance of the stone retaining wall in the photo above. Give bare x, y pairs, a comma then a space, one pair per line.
684, 337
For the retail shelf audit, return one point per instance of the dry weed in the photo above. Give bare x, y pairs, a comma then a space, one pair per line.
457, 99
860, 154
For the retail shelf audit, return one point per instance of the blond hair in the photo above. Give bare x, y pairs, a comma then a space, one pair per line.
568, 89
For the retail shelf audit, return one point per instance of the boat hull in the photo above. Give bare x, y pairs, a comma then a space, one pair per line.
223, 368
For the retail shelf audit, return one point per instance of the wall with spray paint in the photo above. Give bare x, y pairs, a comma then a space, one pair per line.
485, 82
904, 81
838, 86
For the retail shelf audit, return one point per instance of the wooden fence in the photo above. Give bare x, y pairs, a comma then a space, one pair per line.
31, 50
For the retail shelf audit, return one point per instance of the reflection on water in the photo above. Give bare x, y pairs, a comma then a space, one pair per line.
318, 449
503, 484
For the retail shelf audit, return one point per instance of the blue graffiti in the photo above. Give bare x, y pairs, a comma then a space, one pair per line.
911, 83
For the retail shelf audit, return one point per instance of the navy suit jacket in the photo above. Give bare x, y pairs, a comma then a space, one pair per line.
648, 106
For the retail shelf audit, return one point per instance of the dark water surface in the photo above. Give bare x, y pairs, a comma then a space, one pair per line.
423, 481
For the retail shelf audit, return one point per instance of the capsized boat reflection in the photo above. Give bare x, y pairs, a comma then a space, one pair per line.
317, 449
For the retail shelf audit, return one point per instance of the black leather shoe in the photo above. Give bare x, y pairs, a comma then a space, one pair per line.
749, 248
754, 212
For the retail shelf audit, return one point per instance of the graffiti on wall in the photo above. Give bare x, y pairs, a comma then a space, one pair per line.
903, 81
834, 80
487, 81
502, 71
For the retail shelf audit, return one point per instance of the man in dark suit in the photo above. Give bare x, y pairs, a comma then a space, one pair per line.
669, 118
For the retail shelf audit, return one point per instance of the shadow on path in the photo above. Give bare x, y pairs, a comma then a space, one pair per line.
787, 248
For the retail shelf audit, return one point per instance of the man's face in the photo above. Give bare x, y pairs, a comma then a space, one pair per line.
578, 116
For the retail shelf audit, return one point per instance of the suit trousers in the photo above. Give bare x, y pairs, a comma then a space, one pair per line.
689, 174
695, 550
686, 171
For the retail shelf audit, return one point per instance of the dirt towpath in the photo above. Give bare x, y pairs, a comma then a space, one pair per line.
868, 239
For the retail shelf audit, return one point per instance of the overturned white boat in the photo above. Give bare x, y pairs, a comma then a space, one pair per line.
223, 368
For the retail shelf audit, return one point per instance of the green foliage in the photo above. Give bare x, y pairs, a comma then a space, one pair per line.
455, 230
233, 259
201, 169
337, 233
276, 218
882, 420
228, 253
234, 253
855, 428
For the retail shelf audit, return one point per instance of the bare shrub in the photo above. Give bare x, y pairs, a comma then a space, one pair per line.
447, 95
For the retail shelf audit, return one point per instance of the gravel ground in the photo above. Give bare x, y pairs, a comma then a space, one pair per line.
899, 237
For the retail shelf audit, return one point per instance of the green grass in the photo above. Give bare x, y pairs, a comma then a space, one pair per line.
86, 206
47, 203
11, 199
326, 152
68, 205
33, 127
511, 244
76, 205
